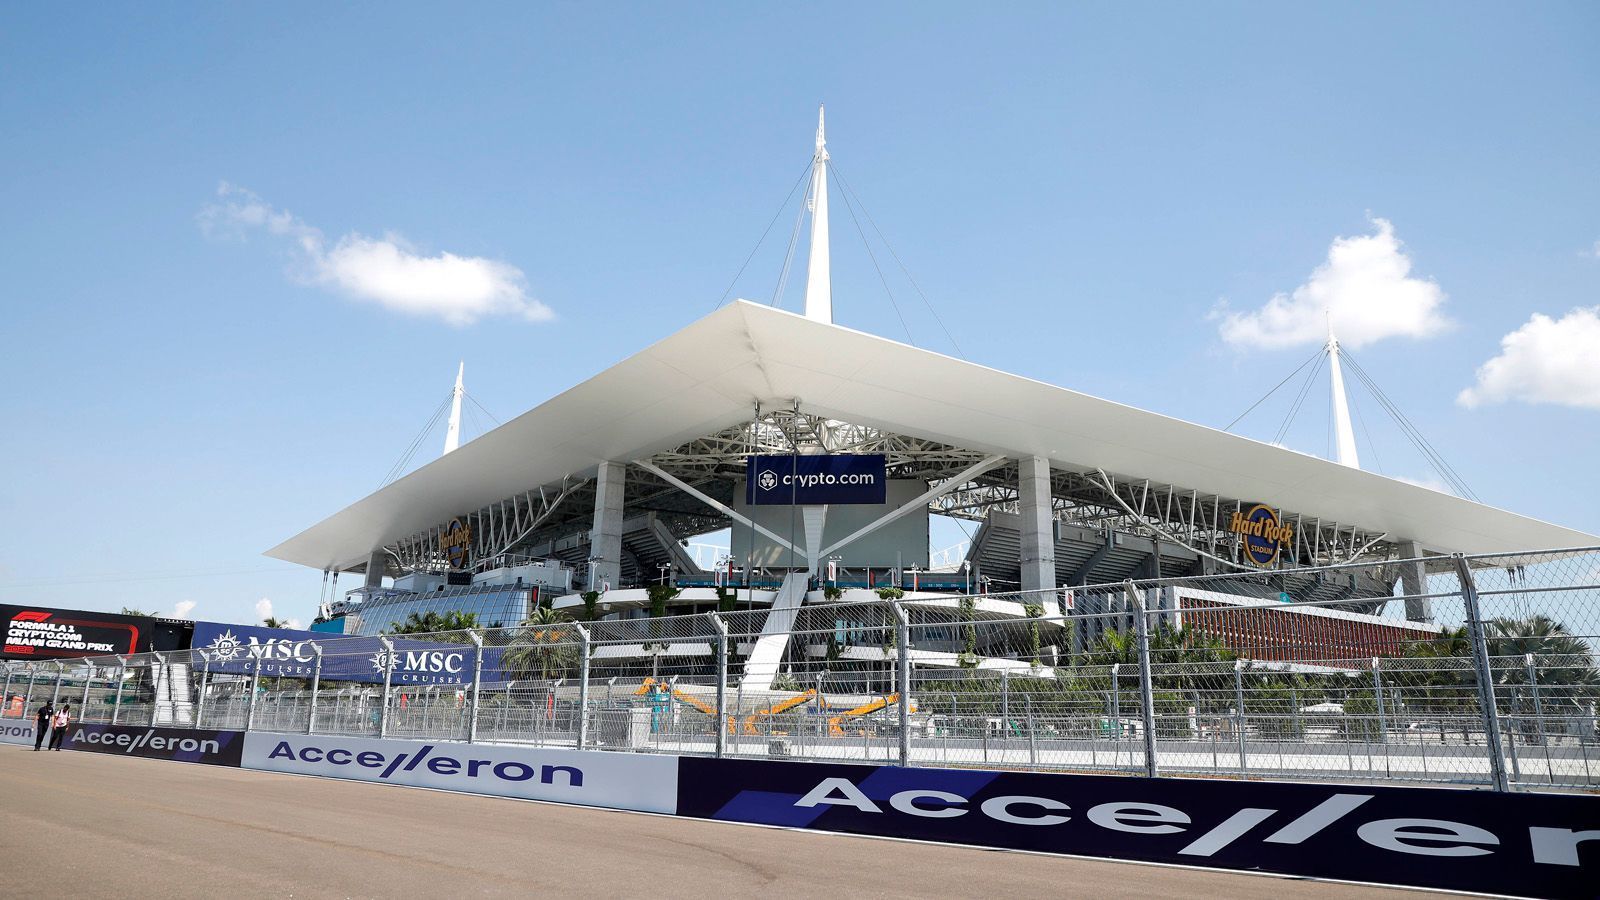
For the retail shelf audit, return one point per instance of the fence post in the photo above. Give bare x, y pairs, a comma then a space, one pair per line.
388, 686
205, 682
5, 695
88, 682
250, 702
902, 630
27, 700
55, 694
1116, 701
721, 723
122, 675
1377, 692
316, 686
1033, 744
1147, 691
156, 676
1005, 703
1538, 706
583, 685
1238, 719
1485, 675
477, 687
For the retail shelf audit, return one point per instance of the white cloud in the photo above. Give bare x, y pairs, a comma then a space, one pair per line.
264, 612
387, 271
1547, 360
1365, 288
181, 609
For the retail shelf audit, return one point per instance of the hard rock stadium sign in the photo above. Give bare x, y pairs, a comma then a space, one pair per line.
456, 544
1264, 533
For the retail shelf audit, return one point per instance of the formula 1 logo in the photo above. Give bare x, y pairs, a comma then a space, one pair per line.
32, 615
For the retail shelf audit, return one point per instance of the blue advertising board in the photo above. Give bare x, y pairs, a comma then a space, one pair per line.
1521, 844
287, 653
800, 480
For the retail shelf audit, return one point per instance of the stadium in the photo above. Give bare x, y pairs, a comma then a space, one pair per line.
1140, 595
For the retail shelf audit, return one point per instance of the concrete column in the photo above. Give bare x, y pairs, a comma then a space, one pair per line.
605, 539
1038, 561
1414, 582
376, 563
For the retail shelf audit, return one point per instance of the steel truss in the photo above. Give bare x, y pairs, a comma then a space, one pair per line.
716, 464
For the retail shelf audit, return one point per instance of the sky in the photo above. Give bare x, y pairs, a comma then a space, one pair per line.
245, 246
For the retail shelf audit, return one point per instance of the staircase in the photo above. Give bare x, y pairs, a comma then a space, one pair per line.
762, 664
174, 705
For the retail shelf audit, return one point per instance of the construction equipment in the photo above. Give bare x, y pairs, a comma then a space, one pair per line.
776, 708
834, 730
650, 684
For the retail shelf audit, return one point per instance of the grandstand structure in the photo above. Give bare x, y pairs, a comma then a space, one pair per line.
600, 489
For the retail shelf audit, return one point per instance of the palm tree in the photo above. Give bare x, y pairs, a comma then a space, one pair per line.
451, 626
131, 611
542, 646
274, 622
1564, 669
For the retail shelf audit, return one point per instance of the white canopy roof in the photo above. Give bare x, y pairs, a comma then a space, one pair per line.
710, 376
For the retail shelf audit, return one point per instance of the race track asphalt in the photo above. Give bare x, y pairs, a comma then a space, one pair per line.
87, 824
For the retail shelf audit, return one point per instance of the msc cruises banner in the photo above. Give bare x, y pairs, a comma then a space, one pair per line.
283, 652
816, 480
213, 748
636, 781
38, 632
1523, 844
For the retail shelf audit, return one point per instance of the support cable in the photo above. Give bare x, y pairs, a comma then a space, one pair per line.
903, 268
844, 195
399, 467
753, 250
1436, 459
1274, 390
788, 257
1299, 401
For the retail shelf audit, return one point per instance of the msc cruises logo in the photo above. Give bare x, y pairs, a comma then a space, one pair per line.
1263, 533
227, 647
415, 662
456, 543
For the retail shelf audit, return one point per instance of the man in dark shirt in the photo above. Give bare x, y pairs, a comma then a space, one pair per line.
42, 724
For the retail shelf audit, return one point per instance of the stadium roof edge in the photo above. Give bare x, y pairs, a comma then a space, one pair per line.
711, 374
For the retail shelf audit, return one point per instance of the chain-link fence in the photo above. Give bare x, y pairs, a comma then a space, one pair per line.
1463, 670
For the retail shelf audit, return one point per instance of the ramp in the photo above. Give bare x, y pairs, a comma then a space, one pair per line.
762, 664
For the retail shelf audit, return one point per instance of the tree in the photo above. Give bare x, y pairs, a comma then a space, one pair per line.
274, 622
450, 627
542, 647
1564, 670
131, 611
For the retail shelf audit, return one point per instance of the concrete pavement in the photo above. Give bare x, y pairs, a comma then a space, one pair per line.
75, 823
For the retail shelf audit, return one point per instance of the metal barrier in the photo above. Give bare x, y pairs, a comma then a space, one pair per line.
1496, 686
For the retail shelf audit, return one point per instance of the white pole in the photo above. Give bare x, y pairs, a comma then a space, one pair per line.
1345, 435
819, 278
452, 434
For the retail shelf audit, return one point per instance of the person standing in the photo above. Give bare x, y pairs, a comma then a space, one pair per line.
58, 725
42, 724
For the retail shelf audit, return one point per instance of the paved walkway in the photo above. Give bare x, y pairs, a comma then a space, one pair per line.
87, 824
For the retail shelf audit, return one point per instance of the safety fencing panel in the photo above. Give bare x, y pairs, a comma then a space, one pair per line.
1475, 671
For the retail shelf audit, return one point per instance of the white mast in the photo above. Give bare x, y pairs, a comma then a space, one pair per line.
819, 279
452, 433
1345, 436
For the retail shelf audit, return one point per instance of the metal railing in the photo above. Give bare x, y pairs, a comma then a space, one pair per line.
1188, 676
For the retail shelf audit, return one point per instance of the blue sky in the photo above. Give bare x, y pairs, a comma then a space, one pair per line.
196, 375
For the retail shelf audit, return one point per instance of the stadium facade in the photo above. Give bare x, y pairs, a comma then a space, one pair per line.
824, 451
